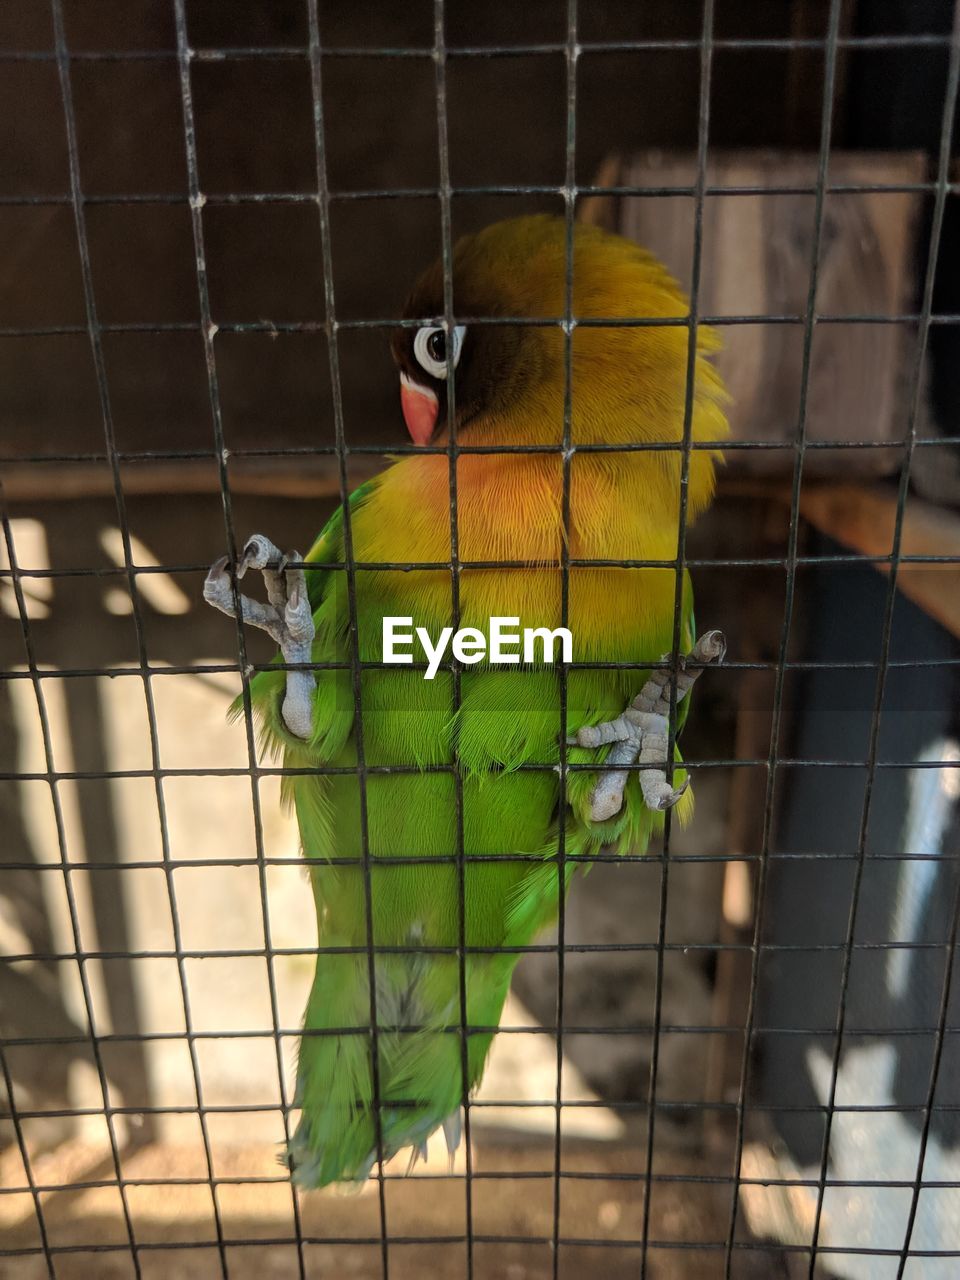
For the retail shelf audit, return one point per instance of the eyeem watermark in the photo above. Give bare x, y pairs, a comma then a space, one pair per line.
506, 643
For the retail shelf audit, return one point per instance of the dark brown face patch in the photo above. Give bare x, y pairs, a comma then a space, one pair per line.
492, 356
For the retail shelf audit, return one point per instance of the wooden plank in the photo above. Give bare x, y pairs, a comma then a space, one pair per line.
757, 253
863, 518
290, 477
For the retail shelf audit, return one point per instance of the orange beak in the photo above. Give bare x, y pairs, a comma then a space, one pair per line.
420, 409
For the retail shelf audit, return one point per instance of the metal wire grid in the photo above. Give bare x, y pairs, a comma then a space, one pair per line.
331, 326
706, 62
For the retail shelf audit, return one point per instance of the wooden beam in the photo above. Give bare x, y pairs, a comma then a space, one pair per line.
863, 517
294, 476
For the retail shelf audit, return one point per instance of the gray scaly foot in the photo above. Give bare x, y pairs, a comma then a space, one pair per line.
640, 736
287, 618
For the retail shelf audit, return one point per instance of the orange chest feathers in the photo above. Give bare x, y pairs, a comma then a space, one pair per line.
510, 512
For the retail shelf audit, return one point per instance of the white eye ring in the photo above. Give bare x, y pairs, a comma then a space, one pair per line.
421, 349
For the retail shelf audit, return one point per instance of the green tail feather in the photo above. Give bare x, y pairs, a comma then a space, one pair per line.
419, 1055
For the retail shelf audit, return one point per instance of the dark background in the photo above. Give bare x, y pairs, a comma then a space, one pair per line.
506, 126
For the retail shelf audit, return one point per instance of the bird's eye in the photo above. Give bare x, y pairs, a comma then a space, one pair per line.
430, 349
437, 346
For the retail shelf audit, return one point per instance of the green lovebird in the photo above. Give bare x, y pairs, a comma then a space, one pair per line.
628, 388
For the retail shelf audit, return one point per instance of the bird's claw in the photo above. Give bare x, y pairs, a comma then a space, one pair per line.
711, 647
668, 798
260, 553
639, 738
217, 588
287, 617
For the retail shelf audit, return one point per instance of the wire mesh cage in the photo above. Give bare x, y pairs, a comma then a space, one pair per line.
737, 1052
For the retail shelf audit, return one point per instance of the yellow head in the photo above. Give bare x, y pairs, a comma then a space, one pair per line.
628, 382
